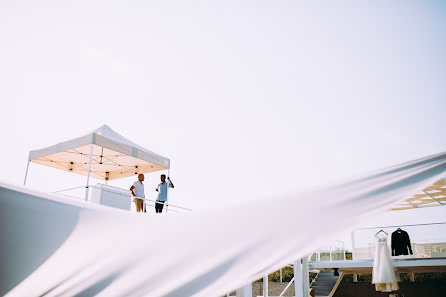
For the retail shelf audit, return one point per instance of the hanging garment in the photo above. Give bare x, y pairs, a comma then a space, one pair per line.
384, 274
401, 243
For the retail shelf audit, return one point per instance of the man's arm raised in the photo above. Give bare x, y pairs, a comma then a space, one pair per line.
171, 184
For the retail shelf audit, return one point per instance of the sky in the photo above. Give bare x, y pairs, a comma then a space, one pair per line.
249, 99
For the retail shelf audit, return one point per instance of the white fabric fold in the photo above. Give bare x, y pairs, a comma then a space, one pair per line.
52, 246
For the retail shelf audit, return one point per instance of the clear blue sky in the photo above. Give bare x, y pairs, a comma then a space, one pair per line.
249, 99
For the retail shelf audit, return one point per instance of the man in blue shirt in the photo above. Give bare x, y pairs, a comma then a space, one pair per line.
162, 193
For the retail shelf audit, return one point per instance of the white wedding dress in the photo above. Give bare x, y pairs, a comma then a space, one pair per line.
384, 274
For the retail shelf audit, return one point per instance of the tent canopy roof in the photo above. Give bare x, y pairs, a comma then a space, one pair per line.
114, 156
434, 195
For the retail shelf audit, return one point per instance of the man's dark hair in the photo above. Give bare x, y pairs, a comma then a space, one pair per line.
163, 175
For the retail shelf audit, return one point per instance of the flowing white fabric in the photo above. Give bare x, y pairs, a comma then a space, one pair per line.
384, 274
51, 246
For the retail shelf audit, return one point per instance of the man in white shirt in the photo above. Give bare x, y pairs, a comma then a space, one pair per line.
138, 192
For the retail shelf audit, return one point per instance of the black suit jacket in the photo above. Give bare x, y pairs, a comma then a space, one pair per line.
401, 243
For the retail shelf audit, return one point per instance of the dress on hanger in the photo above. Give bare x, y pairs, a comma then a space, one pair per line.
384, 275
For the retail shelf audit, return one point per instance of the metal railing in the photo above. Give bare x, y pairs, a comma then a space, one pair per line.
122, 192
147, 202
334, 251
427, 240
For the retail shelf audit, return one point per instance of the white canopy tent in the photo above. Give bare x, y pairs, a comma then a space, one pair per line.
103, 154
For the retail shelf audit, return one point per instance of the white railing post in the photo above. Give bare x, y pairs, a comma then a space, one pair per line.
246, 291
280, 274
298, 289
265, 286
88, 176
305, 277
353, 245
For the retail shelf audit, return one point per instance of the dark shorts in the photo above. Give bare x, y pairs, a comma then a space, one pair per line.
159, 206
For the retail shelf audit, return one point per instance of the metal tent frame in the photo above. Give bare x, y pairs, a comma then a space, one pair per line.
110, 156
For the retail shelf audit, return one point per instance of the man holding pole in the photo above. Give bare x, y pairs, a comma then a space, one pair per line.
162, 193
137, 190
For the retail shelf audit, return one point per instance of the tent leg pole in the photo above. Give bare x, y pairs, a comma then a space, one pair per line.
26, 173
88, 175
167, 190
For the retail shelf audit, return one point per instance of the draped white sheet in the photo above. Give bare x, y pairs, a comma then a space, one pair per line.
52, 246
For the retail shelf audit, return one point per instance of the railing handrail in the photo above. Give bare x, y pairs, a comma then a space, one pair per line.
121, 194
408, 225
160, 202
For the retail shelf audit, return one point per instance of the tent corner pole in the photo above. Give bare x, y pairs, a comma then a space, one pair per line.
88, 175
167, 189
26, 172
